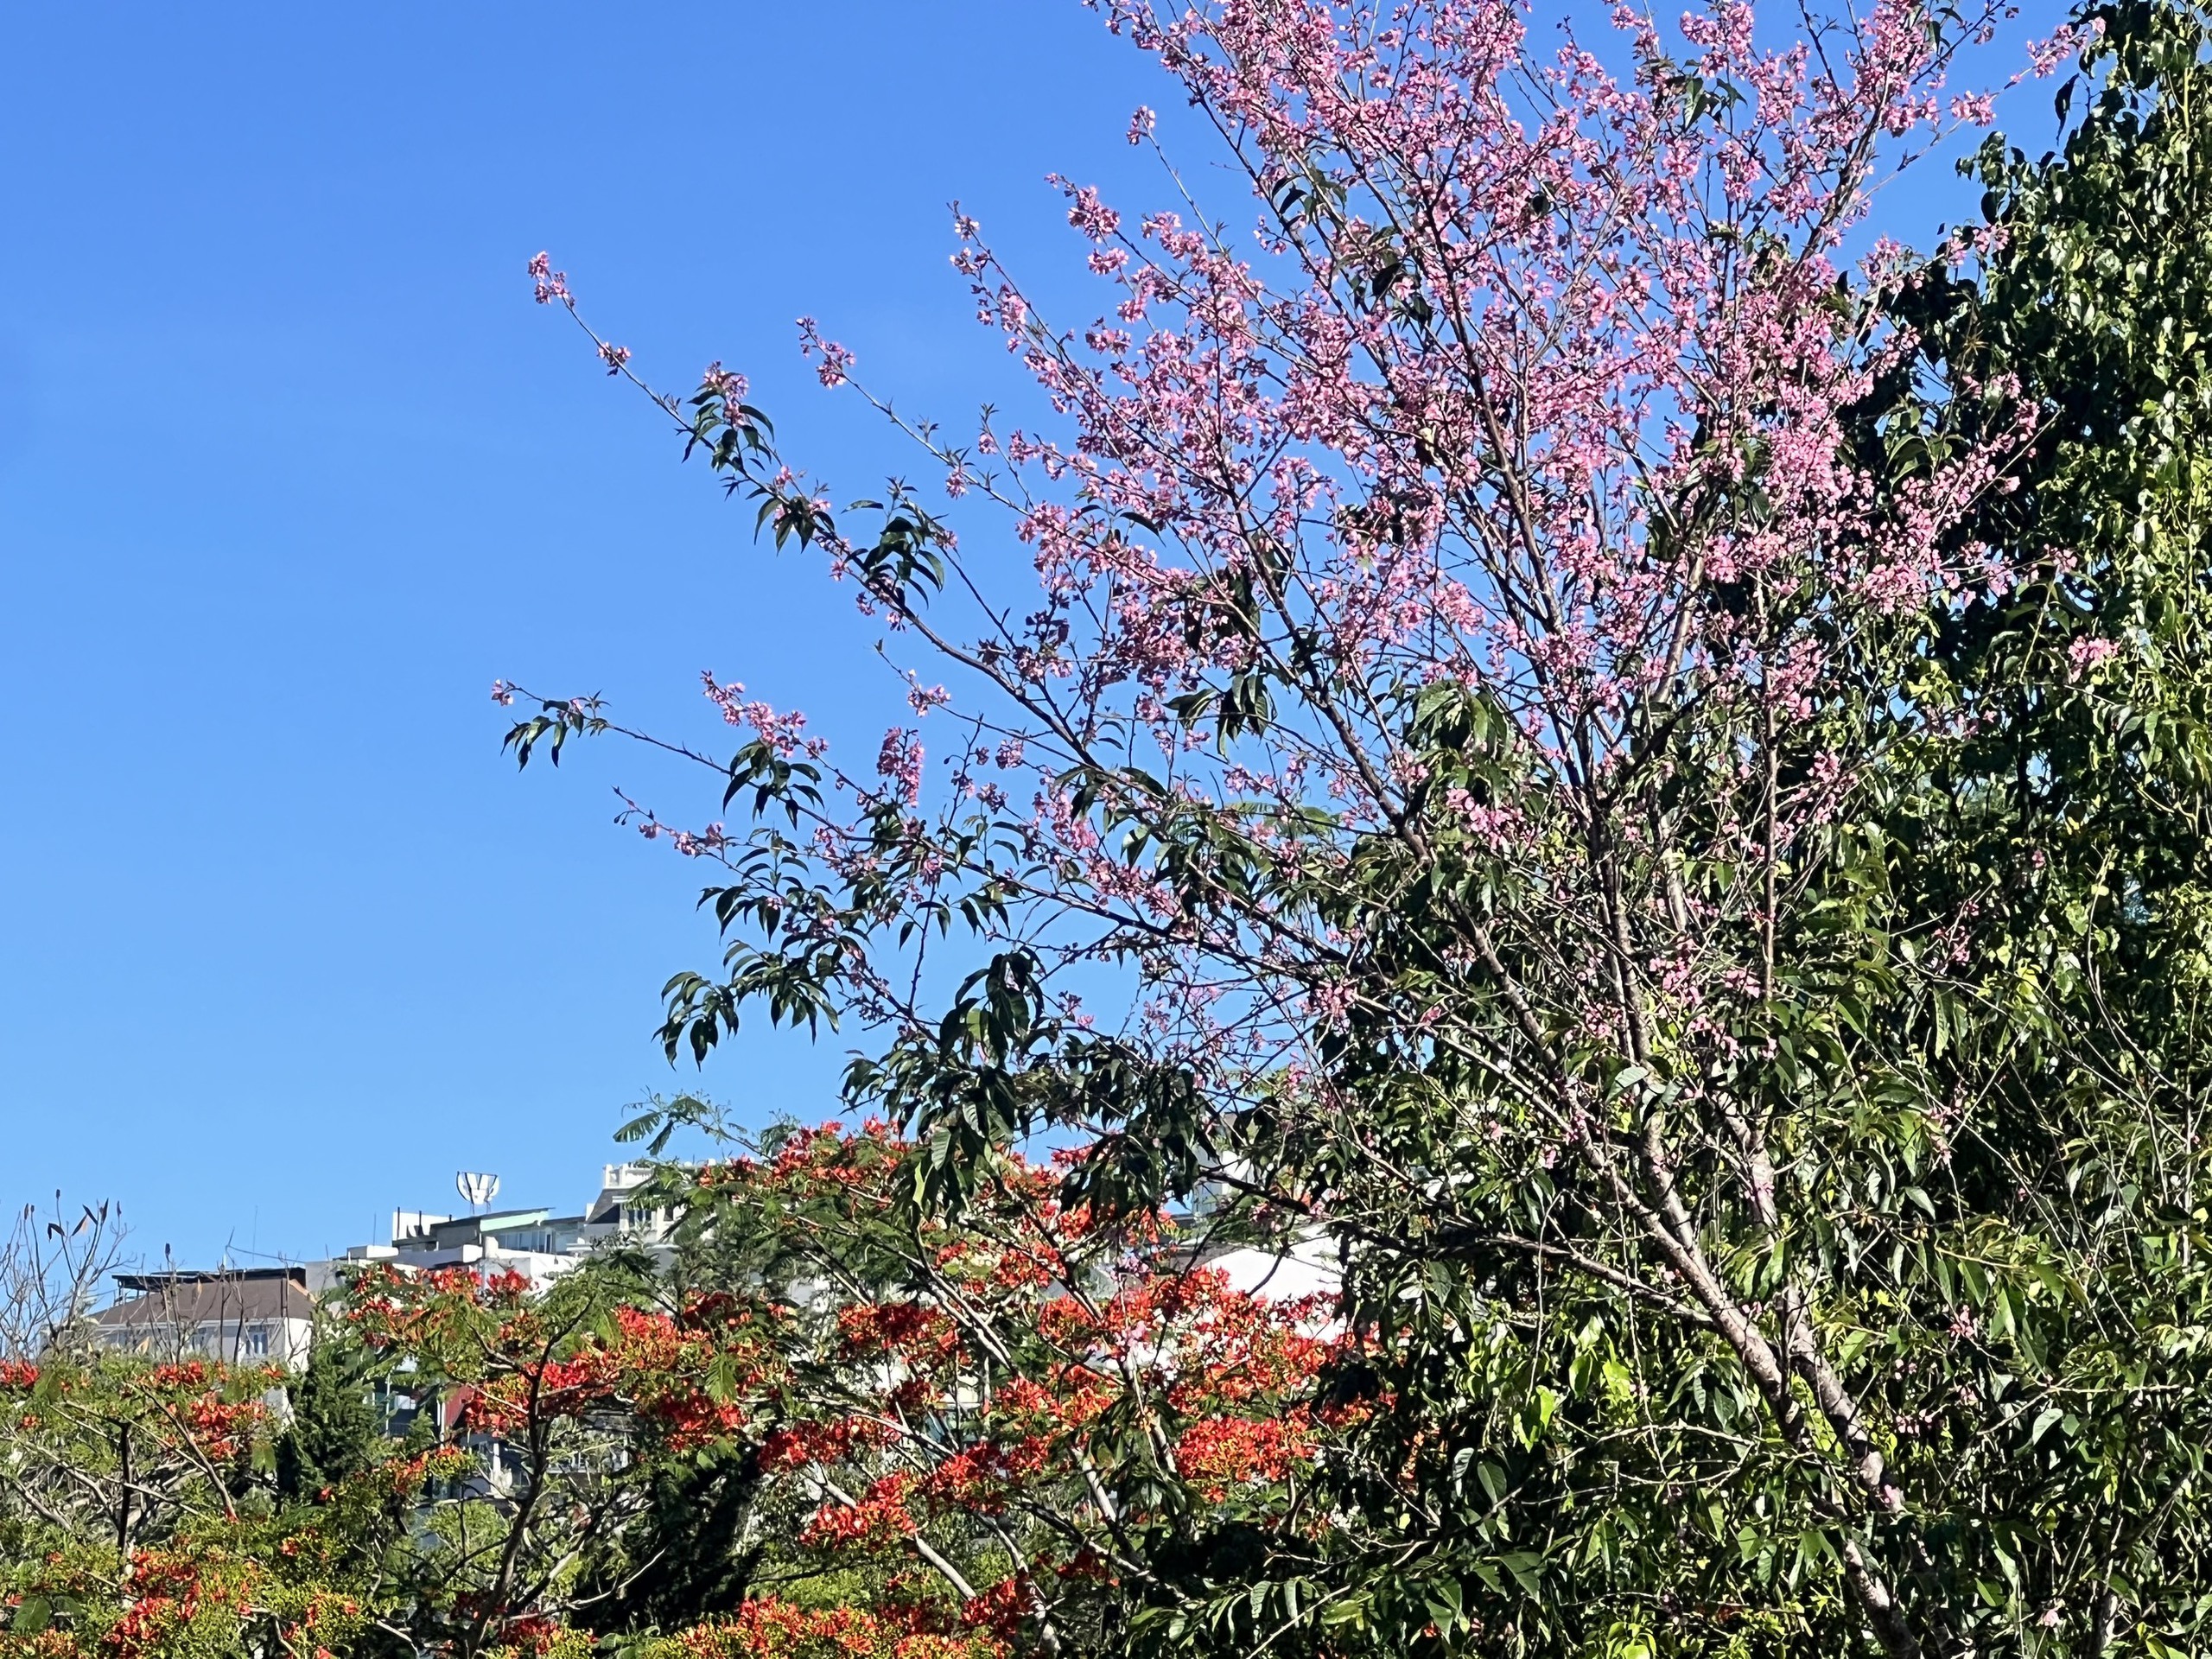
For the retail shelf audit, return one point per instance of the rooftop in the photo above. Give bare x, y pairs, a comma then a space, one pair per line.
242, 1296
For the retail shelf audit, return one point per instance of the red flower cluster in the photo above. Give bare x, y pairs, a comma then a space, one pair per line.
979, 1478
801, 1444
880, 1518
221, 1428
1000, 1610
912, 1332
532, 1633
768, 1628
1223, 1452
166, 1594
693, 1377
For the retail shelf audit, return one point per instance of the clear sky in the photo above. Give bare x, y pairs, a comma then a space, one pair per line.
290, 469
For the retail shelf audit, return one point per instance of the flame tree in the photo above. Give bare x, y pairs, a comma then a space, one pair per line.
832, 1428
973, 1438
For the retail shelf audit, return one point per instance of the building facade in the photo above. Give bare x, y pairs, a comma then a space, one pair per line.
265, 1315
536, 1243
239, 1315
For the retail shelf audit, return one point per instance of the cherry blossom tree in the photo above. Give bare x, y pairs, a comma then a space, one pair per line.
1458, 750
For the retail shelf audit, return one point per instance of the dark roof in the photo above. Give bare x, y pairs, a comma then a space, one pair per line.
171, 1277
181, 1299
491, 1220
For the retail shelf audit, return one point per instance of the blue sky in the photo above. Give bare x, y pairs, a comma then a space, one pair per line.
290, 469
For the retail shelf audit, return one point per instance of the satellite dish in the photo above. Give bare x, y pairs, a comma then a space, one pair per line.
478, 1190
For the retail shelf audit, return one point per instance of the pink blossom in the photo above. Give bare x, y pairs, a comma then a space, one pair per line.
1975, 109
836, 361
550, 284
786, 733
2087, 652
731, 387
2046, 56
1090, 215
900, 763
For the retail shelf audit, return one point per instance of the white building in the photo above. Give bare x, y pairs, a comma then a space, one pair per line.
238, 1315
537, 1243
266, 1315
1305, 1265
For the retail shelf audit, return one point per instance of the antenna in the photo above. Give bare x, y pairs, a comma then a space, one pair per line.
478, 1190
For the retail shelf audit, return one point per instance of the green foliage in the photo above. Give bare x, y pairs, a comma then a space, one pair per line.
1879, 1256
689, 1554
336, 1431
1855, 1300
1830, 1280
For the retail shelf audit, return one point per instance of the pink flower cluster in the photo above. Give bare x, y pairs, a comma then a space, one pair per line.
837, 362
786, 733
549, 283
